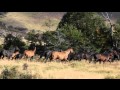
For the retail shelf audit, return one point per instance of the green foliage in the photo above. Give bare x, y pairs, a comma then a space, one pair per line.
79, 29
49, 38
116, 34
34, 37
72, 36
11, 41
86, 23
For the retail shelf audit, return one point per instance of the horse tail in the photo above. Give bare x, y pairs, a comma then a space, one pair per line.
50, 55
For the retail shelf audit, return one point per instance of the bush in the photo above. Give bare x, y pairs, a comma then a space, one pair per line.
11, 41
13, 73
113, 77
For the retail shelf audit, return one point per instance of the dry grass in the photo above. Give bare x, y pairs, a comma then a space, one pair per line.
69, 70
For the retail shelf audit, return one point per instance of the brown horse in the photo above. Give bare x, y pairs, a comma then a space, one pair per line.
63, 55
103, 58
30, 53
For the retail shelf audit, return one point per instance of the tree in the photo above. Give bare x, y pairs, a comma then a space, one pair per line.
90, 24
116, 34
80, 30
34, 37
11, 41
107, 17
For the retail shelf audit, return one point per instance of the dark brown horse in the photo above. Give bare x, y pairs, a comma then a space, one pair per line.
116, 54
104, 58
63, 55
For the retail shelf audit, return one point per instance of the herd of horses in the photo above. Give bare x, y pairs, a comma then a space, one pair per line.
67, 55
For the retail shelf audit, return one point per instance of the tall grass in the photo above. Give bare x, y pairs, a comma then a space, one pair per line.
58, 70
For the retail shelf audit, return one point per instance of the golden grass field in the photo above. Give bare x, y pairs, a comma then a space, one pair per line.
68, 70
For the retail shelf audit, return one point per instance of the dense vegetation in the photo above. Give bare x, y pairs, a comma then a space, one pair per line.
83, 29
76, 29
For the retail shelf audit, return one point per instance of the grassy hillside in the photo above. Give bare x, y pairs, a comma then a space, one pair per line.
33, 20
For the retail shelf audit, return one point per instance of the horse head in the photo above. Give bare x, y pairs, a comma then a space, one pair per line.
71, 50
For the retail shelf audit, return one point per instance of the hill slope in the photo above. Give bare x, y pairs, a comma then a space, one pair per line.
33, 20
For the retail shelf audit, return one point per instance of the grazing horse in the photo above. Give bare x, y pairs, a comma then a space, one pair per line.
30, 53
63, 55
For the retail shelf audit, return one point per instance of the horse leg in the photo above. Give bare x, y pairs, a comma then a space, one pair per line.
99, 61
2, 57
85, 59
118, 57
46, 59
54, 58
27, 57
12, 58
95, 60
110, 61
90, 61
104, 61
8, 57
50, 59
66, 59
31, 58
